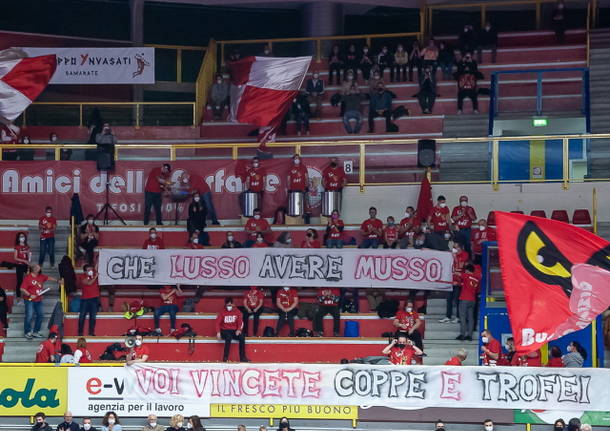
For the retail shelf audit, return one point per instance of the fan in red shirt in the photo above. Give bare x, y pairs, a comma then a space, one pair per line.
491, 350
532, 359
409, 321
255, 177
260, 241
311, 239
479, 235
333, 177
229, 326
460, 259
407, 228
81, 354
555, 358
256, 224
287, 301
471, 282
194, 241
390, 234
463, 215
139, 352
439, 217
47, 351
334, 231
328, 303
371, 229
458, 359
297, 175
169, 304
90, 299
154, 242
253, 306
32, 290
402, 351
22, 256
47, 225
158, 180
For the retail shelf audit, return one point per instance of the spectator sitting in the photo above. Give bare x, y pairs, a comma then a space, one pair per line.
89, 236
198, 213
256, 224
371, 229
390, 234
154, 242
169, 301
402, 351
260, 241
198, 185
81, 354
427, 90
287, 301
87, 425
176, 423
384, 60
229, 326
467, 75
139, 352
300, 110
419, 241
414, 59
555, 358
463, 216
429, 56
351, 59
110, 422
193, 242
231, 242
467, 39
311, 239
284, 240
253, 306
195, 423
446, 60
328, 299
351, 103
349, 83
40, 423
336, 64
380, 105
409, 321
105, 137
576, 356
374, 82
375, 297
284, 425
334, 231
459, 358
219, 97
558, 21
315, 91
67, 356
267, 51
491, 349
47, 351
152, 425
559, 424
488, 39
407, 228
365, 63
401, 61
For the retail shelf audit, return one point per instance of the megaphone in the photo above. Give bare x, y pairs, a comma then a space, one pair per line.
130, 342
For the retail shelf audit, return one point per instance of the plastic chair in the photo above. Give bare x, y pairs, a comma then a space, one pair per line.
560, 215
538, 213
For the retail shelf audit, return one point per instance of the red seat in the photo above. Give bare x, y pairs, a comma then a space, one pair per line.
517, 212
581, 217
491, 218
538, 213
560, 215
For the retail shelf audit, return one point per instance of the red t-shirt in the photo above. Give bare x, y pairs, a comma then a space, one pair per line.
336, 228
402, 356
88, 290
287, 298
34, 285
333, 178
409, 226
312, 244
370, 224
23, 252
459, 260
140, 351
153, 244
439, 218
252, 224
166, 290
463, 216
297, 178
85, 356
454, 361
406, 318
390, 234
526, 361
152, 182
260, 244
256, 179
478, 237
495, 347
195, 245
253, 297
470, 286
229, 320
198, 184
329, 295
47, 227
555, 363
45, 351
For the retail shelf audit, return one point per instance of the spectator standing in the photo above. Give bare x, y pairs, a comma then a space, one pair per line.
390, 234
255, 178
198, 185
334, 231
401, 63
87, 425
254, 226
351, 105
47, 351
380, 105
460, 259
154, 241
301, 112
407, 228
491, 350
333, 176
47, 225
253, 306
152, 425
298, 179
414, 59
3, 309
219, 97
197, 218
430, 56
40, 423
32, 290
23, 258
351, 59
68, 424
229, 326
409, 321
365, 63
287, 301
402, 351
106, 137
139, 352
446, 60
158, 180
439, 218
371, 229
467, 39
576, 356
555, 358
315, 91
81, 354
328, 303
479, 235
176, 423
427, 90
110, 422
384, 60
467, 75
90, 299
169, 304
458, 359
336, 64
462, 216
231, 242
558, 21
89, 236
311, 239
488, 39
468, 296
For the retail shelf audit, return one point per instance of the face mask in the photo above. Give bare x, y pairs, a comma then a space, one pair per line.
86, 427
376, 76
401, 346
485, 340
229, 307
558, 429
153, 236
26, 141
454, 250
22, 239
424, 229
297, 161
335, 216
409, 309
286, 289
481, 228
179, 424
257, 216
219, 81
90, 273
255, 165
489, 428
350, 77
90, 221
230, 238
315, 75
49, 214
189, 425
447, 236
463, 203
152, 424
407, 215
259, 239
390, 223
112, 421
333, 165
195, 240
442, 205
138, 342
309, 235
419, 243
365, 50
54, 138
197, 199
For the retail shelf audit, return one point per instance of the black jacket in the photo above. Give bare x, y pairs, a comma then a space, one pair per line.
198, 213
317, 88
90, 429
45, 427
65, 427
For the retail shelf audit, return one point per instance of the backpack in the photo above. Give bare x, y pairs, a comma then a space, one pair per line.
349, 306
269, 332
304, 332
114, 352
387, 308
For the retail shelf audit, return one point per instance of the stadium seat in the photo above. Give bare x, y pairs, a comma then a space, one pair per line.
582, 218
560, 215
538, 213
517, 212
491, 218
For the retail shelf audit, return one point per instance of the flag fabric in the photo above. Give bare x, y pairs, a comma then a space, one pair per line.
263, 88
556, 277
424, 201
21, 81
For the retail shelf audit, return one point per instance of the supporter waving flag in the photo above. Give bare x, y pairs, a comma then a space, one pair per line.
556, 277
263, 88
22, 79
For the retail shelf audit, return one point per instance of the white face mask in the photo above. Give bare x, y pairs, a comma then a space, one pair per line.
138, 342
54, 138
288, 240
257, 216
195, 240
409, 309
454, 250
152, 424
86, 427
90, 221
286, 289
196, 198
229, 307
485, 340
255, 165
189, 425
481, 228
179, 424
90, 273
259, 239
489, 428
447, 236
230, 238
442, 205
153, 236
22, 239
49, 214
463, 203
297, 161
112, 421
26, 141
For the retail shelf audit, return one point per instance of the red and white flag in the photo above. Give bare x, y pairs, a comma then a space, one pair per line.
21, 81
263, 88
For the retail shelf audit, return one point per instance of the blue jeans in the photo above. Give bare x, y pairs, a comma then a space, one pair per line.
32, 309
352, 115
369, 243
207, 199
334, 243
463, 238
47, 246
90, 307
172, 309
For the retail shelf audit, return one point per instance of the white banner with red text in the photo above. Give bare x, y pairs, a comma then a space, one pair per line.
166, 389
121, 65
295, 267
37, 184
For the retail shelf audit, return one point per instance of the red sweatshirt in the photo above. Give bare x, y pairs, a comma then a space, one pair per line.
232, 320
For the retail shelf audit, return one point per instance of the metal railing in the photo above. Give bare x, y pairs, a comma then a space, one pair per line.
205, 78
179, 50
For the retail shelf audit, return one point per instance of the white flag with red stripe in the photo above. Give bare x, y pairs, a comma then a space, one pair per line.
263, 88
22, 80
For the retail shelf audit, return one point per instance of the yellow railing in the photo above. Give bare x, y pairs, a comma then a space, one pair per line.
139, 107
179, 49
205, 78
63, 296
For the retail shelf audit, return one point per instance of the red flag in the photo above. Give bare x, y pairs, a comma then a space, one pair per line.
555, 277
424, 201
